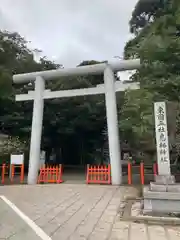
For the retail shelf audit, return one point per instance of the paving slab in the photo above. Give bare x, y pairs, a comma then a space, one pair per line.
74, 212
12, 226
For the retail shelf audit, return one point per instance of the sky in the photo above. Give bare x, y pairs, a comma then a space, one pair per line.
70, 31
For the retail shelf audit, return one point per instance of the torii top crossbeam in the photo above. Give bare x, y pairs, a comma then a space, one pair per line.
96, 69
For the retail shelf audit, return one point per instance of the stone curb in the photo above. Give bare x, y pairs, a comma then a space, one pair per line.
148, 219
129, 198
153, 220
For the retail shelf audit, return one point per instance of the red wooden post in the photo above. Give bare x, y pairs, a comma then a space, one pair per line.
3, 173
129, 173
142, 172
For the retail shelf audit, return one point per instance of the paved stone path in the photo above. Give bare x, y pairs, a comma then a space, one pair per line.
12, 226
74, 212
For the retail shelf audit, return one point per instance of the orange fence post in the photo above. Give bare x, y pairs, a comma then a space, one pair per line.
129, 173
13, 168
46, 175
99, 169
57, 173
3, 173
49, 175
93, 174
59, 177
142, 172
12, 172
109, 174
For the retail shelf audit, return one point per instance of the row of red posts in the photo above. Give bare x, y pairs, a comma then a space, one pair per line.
97, 174
102, 174
46, 174
5, 169
142, 172
53, 174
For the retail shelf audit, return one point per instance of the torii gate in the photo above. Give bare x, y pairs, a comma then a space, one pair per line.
109, 88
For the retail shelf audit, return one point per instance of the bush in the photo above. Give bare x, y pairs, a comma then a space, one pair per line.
12, 145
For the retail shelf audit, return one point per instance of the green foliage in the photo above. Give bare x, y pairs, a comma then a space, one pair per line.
136, 117
12, 145
157, 43
74, 123
146, 12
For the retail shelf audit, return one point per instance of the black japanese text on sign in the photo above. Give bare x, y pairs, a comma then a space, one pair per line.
162, 136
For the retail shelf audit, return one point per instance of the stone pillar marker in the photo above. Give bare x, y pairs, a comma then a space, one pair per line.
162, 143
163, 195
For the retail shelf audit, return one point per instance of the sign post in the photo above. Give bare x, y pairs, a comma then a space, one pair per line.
16, 159
162, 142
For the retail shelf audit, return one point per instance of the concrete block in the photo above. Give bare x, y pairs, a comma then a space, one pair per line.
147, 205
173, 188
155, 187
161, 206
162, 195
162, 201
165, 179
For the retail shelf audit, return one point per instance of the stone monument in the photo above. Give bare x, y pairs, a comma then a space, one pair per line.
163, 195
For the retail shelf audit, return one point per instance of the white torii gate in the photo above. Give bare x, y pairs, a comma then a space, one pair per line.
109, 88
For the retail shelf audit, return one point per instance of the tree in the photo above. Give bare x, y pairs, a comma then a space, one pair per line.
67, 122
157, 44
12, 145
136, 117
146, 12
15, 57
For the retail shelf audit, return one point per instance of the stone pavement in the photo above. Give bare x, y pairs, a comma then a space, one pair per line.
11, 224
74, 212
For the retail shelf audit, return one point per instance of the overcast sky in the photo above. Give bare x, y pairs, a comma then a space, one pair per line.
70, 31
